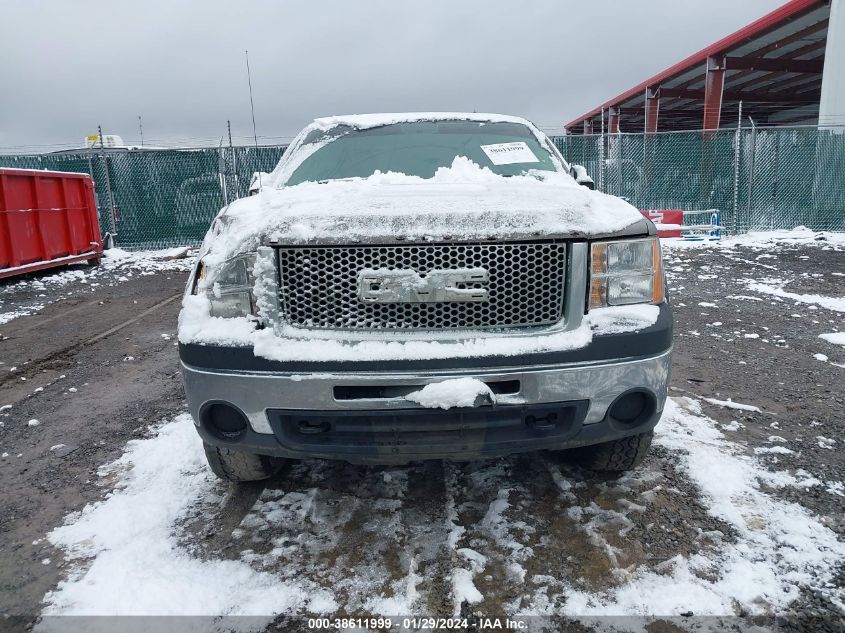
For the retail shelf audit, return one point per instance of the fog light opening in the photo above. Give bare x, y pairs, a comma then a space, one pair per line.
224, 421
632, 408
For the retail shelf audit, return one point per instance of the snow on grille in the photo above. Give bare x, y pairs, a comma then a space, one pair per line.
525, 286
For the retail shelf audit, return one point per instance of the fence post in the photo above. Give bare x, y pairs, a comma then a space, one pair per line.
222, 174
600, 140
775, 184
234, 163
752, 166
738, 140
112, 219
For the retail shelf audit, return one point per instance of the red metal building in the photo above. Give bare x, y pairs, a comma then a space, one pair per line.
774, 67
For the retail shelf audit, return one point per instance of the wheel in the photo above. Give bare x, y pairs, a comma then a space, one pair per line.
615, 456
240, 466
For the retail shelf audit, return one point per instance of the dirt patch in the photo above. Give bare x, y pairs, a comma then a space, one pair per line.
89, 400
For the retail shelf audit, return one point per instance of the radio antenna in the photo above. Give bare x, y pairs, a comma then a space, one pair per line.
252, 109
251, 104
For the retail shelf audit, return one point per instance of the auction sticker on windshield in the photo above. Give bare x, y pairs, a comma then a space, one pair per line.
509, 153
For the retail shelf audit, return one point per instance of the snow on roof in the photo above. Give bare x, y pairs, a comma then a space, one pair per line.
363, 121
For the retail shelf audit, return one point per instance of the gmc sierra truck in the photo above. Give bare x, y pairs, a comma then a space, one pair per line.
425, 286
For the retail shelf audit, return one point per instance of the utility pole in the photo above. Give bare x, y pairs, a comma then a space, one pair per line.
141, 129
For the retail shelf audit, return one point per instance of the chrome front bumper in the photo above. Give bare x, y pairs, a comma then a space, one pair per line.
260, 395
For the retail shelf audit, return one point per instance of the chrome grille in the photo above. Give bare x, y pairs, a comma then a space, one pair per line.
524, 284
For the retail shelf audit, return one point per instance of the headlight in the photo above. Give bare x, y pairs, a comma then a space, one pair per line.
626, 272
229, 290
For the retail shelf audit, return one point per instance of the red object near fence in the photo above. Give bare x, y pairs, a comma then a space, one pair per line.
668, 221
47, 218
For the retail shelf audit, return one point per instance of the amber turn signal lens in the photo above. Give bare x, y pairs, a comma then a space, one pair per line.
658, 289
598, 255
598, 292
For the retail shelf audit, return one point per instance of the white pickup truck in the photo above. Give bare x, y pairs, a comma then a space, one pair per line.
425, 286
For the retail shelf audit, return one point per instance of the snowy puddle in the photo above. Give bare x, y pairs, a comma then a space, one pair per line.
692, 530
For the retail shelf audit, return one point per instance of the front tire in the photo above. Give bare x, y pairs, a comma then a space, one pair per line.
239, 466
619, 455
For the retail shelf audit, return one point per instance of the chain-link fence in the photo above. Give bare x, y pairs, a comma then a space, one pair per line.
160, 198
758, 178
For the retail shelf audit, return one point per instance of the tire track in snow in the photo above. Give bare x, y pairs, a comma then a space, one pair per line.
338, 525
527, 528
373, 536
594, 532
425, 520
491, 535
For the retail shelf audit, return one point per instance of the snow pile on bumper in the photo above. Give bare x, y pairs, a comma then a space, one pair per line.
448, 394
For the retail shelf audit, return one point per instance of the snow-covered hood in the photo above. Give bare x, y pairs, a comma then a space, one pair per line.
464, 202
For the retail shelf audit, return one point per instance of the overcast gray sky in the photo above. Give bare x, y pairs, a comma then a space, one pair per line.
69, 66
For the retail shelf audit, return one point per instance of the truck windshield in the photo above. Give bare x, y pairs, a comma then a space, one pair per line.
419, 149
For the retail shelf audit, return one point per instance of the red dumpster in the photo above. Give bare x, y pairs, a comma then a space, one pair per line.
669, 222
47, 218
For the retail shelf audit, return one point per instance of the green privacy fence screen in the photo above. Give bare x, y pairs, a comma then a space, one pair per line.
758, 178
160, 198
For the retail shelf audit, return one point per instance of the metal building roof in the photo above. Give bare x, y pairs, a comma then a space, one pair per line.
773, 65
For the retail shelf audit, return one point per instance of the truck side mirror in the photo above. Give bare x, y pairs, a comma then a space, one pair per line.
579, 173
258, 179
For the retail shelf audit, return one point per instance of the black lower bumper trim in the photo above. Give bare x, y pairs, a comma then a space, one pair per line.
402, 436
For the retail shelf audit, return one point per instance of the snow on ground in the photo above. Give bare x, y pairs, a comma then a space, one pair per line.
837, 338
116, 266
148, 262
128, 560
521, 535
765, 240
781, 547
837, 304
32, 308
766, 283
730, 404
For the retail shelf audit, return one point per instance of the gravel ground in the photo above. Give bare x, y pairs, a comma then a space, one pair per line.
758, 349
531, 533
